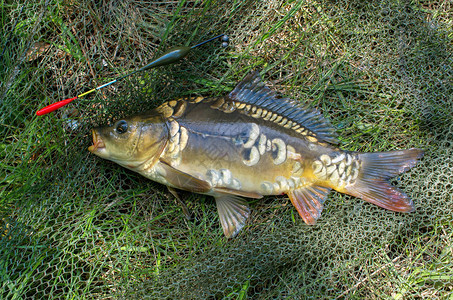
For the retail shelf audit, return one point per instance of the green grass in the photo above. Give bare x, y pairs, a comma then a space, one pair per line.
75, 226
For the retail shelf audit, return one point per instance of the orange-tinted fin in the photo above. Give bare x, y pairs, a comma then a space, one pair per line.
376, 169
309, 202
233, 212
253, 91
184, 181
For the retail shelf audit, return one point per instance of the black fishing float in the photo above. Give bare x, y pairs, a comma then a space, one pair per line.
169, 57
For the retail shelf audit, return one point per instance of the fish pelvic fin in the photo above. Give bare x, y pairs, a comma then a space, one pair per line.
372, 181
233, 213
309, 201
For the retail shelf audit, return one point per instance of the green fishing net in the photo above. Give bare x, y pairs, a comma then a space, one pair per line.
75, 226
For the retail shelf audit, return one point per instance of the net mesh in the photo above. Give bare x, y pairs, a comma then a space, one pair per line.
76, 226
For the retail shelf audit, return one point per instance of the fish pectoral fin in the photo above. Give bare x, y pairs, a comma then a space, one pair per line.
225, 190
308, 202
233, 212
183, 180
181, 203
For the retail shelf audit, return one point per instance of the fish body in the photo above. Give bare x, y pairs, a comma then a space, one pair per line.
250, 143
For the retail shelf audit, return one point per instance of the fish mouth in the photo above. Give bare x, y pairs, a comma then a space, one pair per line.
98, 143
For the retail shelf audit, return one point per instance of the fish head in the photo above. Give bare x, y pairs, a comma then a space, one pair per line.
131, 142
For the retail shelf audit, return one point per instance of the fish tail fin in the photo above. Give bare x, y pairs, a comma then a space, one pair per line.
372, 183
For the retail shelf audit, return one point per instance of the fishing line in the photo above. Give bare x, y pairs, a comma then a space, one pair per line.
169, 57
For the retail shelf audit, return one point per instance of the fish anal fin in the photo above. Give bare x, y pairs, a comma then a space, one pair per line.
304, 120
308, 202
233, 213
225, 190
184, 181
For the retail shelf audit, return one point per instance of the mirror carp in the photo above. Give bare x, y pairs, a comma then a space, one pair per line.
251, 143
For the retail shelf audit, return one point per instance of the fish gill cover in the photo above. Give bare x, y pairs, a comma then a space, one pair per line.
74, 226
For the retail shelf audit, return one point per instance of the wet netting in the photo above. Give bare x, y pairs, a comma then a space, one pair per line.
73, 225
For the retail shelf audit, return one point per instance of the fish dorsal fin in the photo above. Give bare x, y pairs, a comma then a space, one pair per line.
253, 97
309, 202
233, 212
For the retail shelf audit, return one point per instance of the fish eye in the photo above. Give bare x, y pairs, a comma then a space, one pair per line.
121, 127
